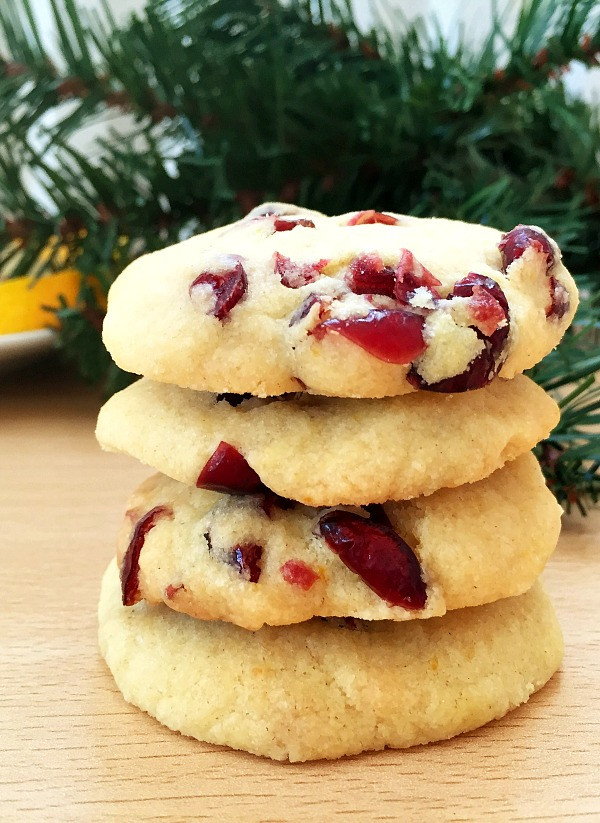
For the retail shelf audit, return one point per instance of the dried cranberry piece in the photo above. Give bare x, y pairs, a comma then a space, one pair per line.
227, 471
171, 590
476, 375
514, 243
295, 275
467, 287
391, 335
298, 573
372, 216
486, 311
229, 287
560, 301
246, 559
484, 367
368, 275
130, 567
305, 307
289, 223
411, 275
378, 556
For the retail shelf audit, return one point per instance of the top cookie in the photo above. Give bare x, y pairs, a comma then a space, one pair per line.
360, 305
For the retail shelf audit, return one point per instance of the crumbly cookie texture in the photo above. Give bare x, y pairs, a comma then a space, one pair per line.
249, 561
360, 305
328, 451
322, 690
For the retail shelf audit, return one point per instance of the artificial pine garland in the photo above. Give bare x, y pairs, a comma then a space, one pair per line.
238, 101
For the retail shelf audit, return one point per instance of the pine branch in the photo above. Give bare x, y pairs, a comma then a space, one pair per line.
260, 100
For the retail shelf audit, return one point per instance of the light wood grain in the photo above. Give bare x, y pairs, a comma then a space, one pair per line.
71, 749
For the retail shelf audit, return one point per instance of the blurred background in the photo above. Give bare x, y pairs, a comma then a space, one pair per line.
127, 125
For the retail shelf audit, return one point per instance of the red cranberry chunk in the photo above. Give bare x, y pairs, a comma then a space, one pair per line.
246, 559
289, 223
514, 243
368, 275
485, 366
297, 573
229, 287
486, 311
467, 288
378, 556
411, 275
227, 471
391, 335
478, 374
372, 216
130, 567
171, 590
560, 301
294, 275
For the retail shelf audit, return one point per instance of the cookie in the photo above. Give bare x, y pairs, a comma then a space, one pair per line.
253, 560
360, 305
322, 689
328, 451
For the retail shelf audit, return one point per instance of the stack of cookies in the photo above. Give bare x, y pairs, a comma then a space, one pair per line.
341, 549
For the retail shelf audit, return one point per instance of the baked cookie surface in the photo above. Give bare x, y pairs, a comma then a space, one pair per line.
247, 560
359, 305
328, 451
320, 689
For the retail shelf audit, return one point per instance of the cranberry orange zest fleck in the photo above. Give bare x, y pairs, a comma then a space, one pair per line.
391, 335
378, 556
297, 573
130, 567
227, 471
229, 287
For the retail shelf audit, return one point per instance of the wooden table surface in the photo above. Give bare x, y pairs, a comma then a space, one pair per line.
71, 749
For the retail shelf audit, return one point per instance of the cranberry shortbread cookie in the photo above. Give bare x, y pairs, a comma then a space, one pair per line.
327, 451
259, 559
361, 305
324, 689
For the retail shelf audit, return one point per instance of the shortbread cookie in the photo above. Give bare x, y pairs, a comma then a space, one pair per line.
327, 451
257, 559
324, 689
361, 305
